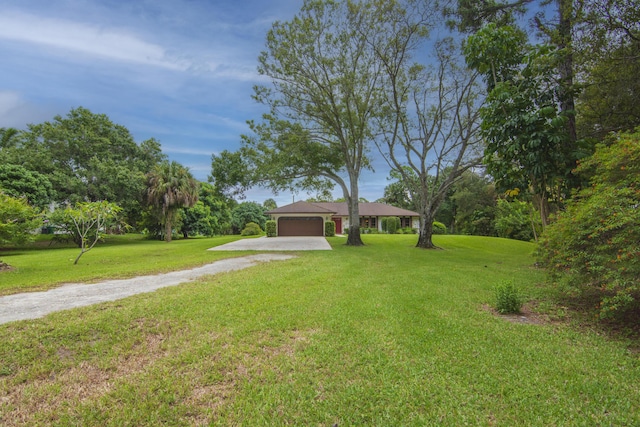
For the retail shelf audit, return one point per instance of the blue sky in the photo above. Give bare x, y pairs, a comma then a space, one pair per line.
181, 71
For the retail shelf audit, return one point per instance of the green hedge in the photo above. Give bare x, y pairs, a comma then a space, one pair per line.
330, 229
270, 228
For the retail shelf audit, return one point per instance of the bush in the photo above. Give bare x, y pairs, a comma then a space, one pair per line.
271, 228
330, 229
408, 230
516, 219
594, 246
18, 220
390, 224
508, 298
251, 229
439, 228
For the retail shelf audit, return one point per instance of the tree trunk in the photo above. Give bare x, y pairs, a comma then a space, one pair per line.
167, 226
354, 238
426, 232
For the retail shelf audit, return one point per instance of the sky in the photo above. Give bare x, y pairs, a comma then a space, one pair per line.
180, 71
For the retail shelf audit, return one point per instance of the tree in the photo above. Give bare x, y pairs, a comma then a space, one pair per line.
8, 137
430, 135
399, 192
197, 220
469, 206
87, 157
86, 222
525, 131
269, 204
593, 247
220, 207
247, 212
18, 181
325, 93
18, 220
231, 175
471, 15
170, 186
607, 48
516, 219
210, 215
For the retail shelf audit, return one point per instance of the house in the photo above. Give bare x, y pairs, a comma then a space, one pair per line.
307, 219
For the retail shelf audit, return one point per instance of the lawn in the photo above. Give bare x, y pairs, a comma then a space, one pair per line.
382, 335
44, 265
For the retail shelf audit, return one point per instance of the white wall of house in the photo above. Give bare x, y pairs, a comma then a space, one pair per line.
415, 223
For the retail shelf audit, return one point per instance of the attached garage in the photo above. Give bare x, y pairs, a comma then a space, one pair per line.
300, 226
300, 219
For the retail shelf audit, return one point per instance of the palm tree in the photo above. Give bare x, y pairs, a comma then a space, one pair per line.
8, 137
170, 186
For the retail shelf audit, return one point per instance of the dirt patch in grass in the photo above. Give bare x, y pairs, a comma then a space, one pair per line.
527, 315
43, 397
5, 267
256, 361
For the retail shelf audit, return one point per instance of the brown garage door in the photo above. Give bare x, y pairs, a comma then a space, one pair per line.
300, 226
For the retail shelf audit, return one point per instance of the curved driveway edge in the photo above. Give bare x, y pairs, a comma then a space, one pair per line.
32, 305
297, 243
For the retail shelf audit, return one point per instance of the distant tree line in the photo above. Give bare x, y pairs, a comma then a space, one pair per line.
86, 158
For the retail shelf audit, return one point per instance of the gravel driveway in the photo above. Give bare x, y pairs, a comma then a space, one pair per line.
33, 305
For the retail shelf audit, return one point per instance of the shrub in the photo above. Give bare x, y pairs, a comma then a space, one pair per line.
439, 228
408, 230
330, 229
18, 220
516, 220
508, 298
594, 246
390, 224
251, 229
369, 230
270, 228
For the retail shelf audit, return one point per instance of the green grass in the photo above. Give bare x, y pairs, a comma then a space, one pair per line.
385, 335
42, 266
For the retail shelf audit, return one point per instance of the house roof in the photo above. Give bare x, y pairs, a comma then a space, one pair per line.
368, 209
301, 207
341, 209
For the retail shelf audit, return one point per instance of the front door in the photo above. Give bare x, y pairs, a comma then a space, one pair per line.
338, 222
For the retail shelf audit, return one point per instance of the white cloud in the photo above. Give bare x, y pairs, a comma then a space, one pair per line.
110, 43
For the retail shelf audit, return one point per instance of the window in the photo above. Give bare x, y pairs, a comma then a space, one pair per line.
368, 222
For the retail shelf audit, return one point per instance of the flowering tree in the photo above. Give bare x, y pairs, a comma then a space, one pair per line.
87, 222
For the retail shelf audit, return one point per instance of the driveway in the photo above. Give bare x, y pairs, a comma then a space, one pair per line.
32, 305
298, 243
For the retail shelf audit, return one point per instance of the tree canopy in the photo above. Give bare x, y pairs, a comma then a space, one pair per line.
325, 77
86, 157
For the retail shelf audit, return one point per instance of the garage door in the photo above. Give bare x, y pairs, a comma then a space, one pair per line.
300, 226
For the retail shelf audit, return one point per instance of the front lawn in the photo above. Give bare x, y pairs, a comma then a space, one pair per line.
384, 334
44, 265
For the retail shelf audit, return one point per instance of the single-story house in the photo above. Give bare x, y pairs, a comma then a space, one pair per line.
307, 219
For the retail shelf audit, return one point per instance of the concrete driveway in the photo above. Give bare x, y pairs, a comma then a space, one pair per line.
301, 243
